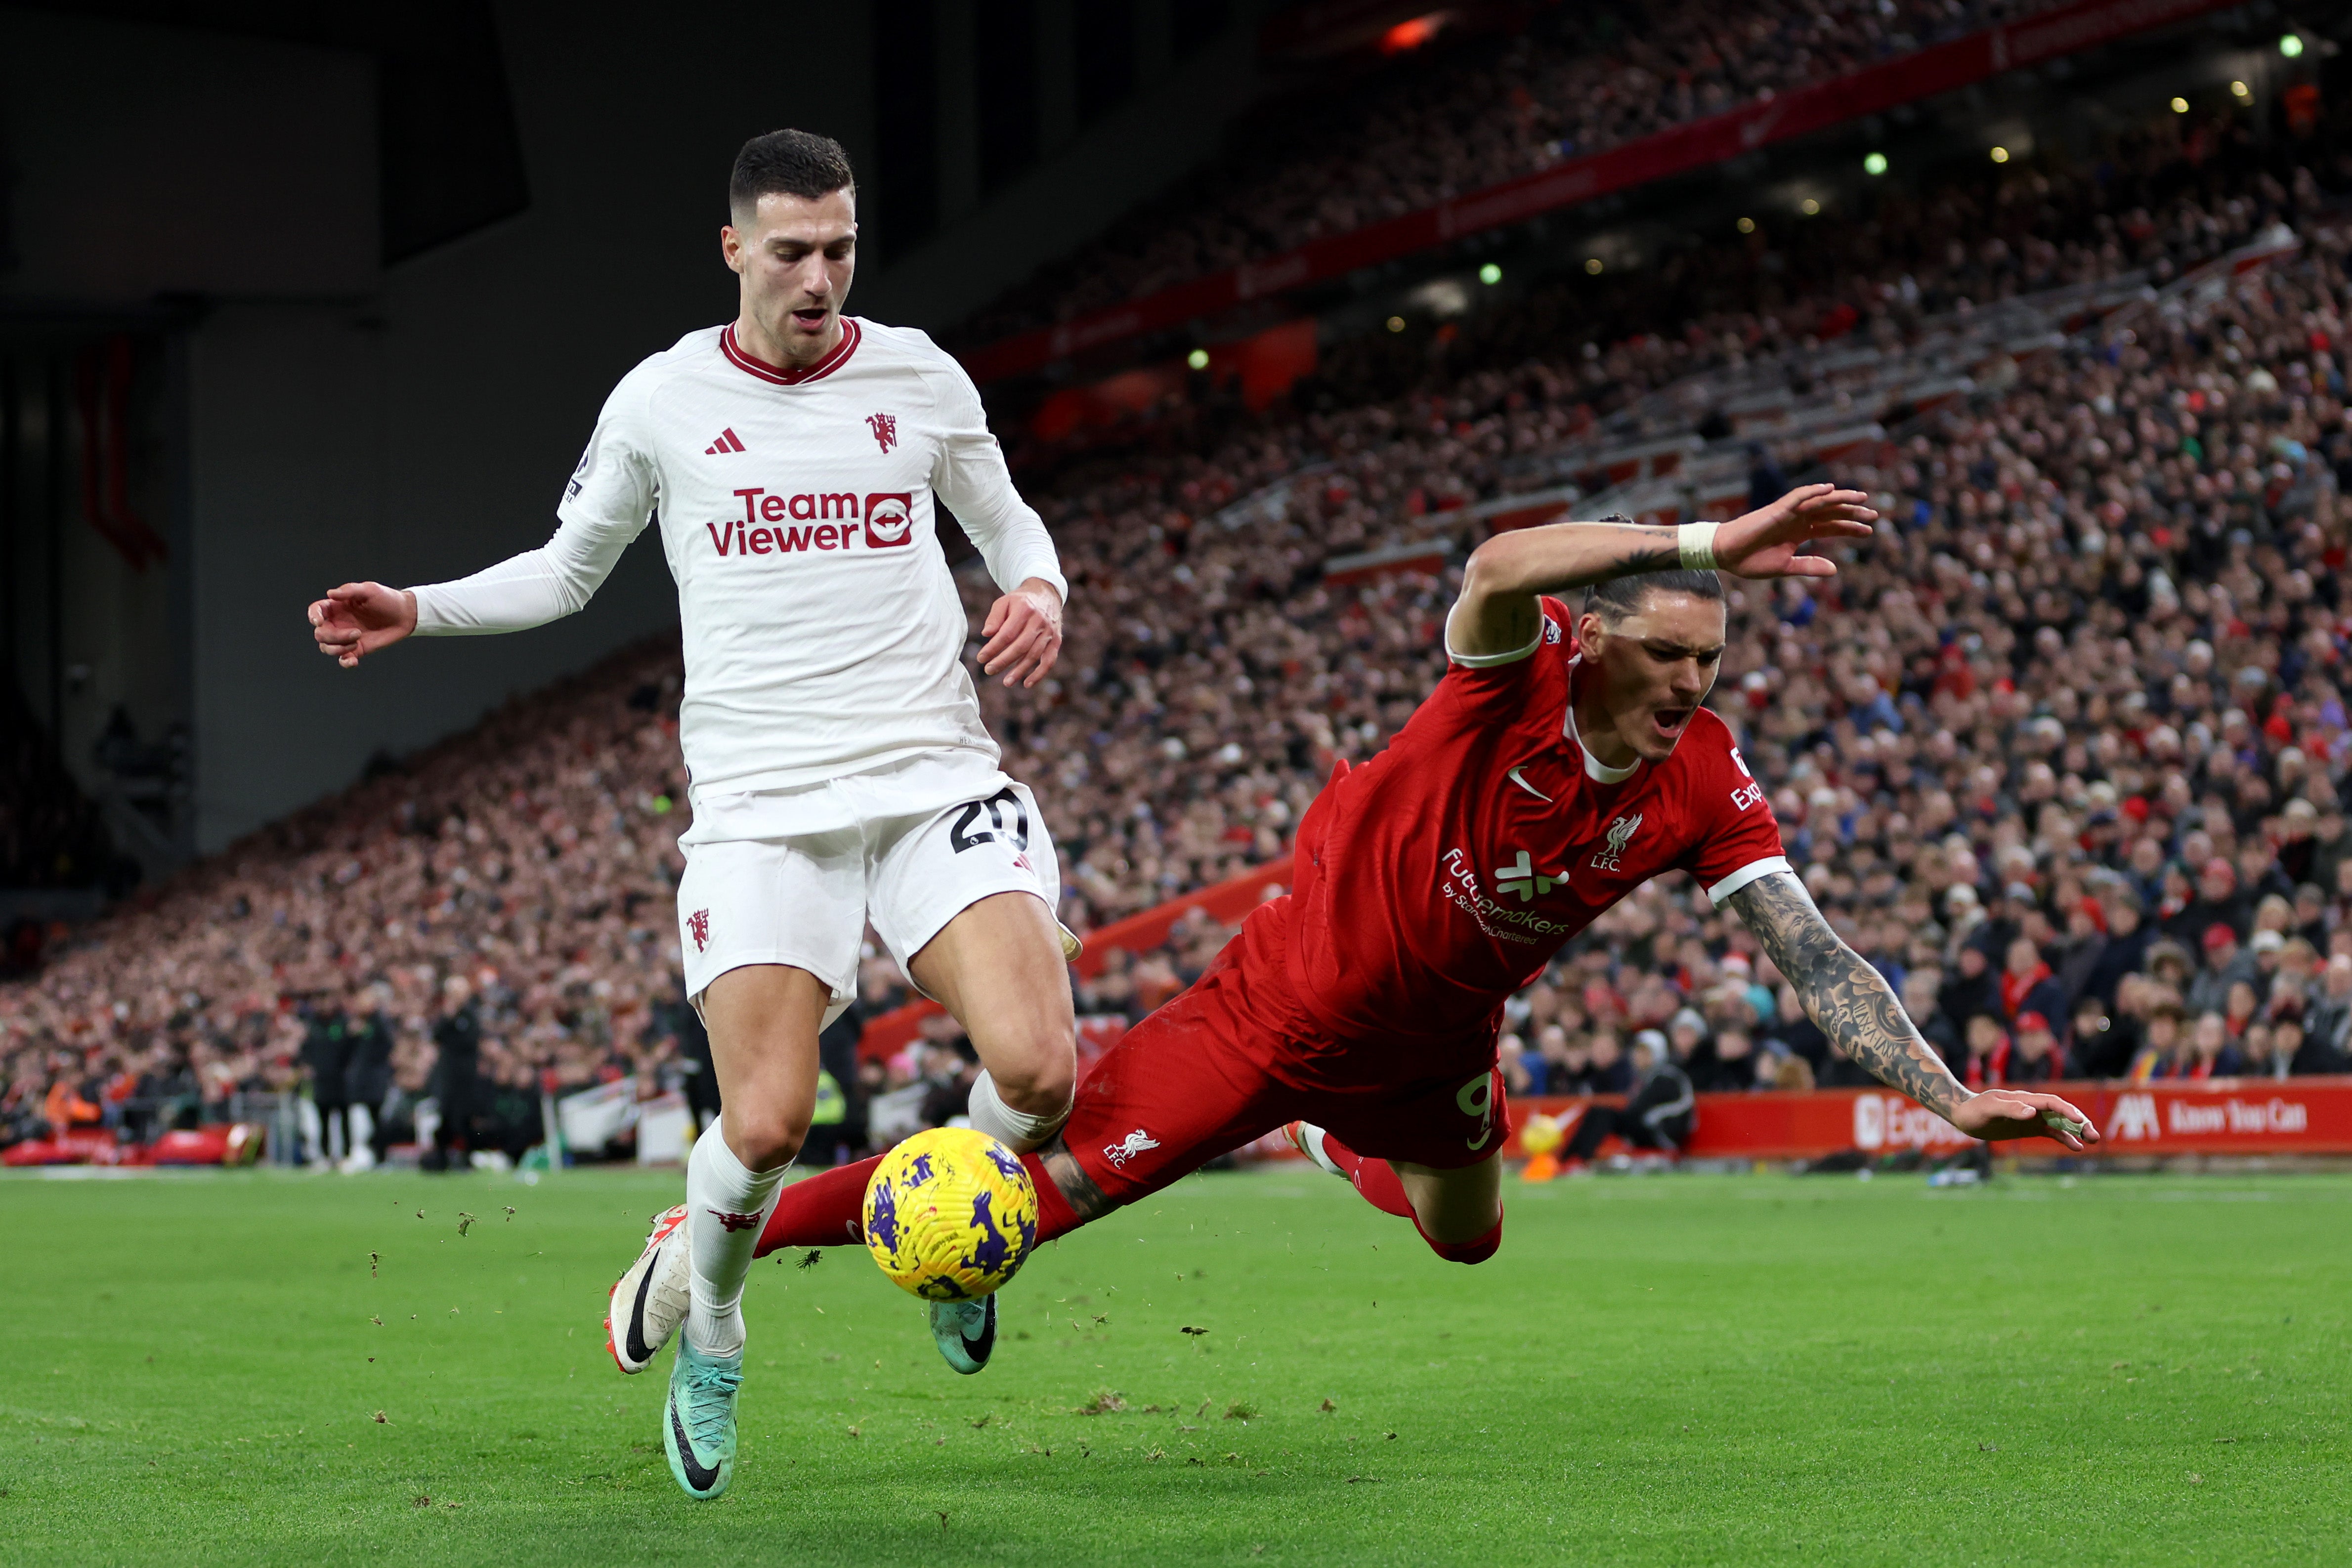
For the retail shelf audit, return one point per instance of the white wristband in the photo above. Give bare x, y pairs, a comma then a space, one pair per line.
1696, 543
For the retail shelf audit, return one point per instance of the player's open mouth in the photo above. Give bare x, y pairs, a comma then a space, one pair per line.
809, 317
1670, 720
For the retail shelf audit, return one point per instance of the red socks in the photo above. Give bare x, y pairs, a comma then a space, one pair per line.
821, 1211
827, 1210
1380, 1186
1373, 1178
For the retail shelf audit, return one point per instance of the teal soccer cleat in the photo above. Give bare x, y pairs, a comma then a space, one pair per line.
698, 1419
966, 1332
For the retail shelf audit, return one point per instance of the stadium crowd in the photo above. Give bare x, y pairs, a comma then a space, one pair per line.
1577, 81
2063, 751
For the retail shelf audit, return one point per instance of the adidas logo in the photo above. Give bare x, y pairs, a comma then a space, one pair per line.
727, 442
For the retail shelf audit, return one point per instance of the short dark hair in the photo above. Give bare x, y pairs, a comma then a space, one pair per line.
788, 163
1621, 596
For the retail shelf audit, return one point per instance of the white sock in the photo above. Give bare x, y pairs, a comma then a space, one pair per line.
1312, 1136
719, 1190
1017, 1130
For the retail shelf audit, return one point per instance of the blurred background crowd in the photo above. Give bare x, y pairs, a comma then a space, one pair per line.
2063, 751
1582, 80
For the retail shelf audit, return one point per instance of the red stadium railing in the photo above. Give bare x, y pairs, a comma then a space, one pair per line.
1939, 69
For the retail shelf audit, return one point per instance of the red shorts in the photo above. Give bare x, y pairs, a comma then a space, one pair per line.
1203, 1075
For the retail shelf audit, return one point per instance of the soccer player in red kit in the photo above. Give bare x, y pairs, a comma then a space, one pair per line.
1563, 760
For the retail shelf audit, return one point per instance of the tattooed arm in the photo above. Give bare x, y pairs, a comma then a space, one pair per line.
1852, 1003
1496, 612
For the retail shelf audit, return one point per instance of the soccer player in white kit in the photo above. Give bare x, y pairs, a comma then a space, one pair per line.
839, 770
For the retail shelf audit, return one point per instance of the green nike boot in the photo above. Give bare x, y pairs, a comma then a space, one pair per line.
966, 1332
698, 1419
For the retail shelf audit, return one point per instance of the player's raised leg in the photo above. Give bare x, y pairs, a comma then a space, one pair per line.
998, 965
1453, 1192
967, 897
1184, 1085
1458, 1211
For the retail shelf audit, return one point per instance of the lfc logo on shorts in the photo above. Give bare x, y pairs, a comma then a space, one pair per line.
890, 521
1127, 1148
697, 926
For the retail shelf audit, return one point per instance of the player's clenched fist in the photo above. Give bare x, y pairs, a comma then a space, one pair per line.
1024, 633
358, 617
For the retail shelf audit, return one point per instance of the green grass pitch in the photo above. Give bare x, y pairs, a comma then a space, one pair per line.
1685, 1369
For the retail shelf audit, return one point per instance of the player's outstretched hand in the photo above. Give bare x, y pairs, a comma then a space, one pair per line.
358, 617
2000, 1113
1024, 633
1765, 542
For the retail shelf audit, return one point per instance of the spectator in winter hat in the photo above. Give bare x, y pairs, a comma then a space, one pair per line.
2170, 966
2217, 902
1961, 909
1686, 1034
2036, 1058
2225, 966
2264, 949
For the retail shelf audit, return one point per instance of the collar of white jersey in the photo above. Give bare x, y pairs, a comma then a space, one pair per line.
1594, 769
785, 376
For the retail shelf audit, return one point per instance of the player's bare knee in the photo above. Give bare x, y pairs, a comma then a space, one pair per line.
764, 1139
1041, 1077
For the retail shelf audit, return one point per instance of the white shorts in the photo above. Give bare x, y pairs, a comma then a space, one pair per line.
805, 899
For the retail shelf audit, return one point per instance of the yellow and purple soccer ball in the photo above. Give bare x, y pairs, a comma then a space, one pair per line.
950, 1214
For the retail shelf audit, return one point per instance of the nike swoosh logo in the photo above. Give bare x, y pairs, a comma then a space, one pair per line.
639, 1351
696, 1476
1514, 777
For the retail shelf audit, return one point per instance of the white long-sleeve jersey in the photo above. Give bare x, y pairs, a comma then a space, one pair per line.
823, 635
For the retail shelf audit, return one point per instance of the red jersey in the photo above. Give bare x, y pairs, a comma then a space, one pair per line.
1440, 877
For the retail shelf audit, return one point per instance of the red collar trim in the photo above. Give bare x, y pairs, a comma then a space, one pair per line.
781, 376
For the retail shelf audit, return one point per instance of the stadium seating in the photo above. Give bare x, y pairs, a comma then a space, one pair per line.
2089, 666
1579, 82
